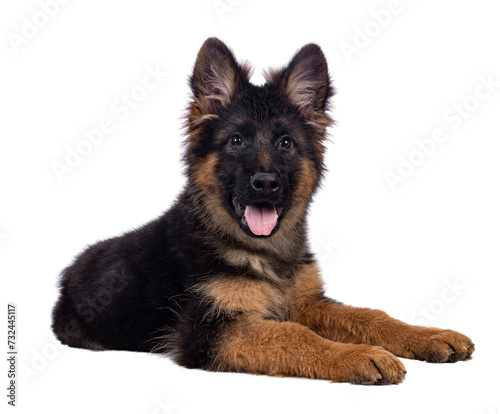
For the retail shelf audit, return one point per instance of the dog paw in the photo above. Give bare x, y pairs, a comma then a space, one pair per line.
439, 345
373, 365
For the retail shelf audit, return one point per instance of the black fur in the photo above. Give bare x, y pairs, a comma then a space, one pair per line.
137, 291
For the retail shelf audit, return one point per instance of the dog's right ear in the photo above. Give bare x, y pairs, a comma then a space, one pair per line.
217, 76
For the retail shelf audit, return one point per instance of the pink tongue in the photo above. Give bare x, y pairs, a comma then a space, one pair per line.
261, 218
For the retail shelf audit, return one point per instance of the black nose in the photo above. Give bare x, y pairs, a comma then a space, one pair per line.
264, 183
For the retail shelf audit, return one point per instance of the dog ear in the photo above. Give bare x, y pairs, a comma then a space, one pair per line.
305, 82
216, 77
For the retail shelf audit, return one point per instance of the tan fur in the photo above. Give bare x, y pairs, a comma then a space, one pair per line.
303, 193
196, 119
349, 324
233, 295
308, 284
258, 263
307, 181
320, 338
341, 323
206, 181
260, 346
204, 172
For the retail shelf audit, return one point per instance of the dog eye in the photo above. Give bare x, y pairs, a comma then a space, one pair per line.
236, 140
285, 142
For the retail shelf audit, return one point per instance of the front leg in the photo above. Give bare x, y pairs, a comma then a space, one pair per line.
337, 322
241, 315
253, 345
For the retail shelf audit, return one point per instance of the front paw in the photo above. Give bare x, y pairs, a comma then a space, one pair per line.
440, 345
371, 365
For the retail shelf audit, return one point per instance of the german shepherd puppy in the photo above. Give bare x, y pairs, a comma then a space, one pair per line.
225, 280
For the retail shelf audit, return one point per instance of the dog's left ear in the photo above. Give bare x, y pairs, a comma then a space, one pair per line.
305, 82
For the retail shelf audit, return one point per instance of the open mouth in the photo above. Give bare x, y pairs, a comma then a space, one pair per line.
260, 218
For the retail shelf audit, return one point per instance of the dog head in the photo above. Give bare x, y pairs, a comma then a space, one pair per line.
255, 153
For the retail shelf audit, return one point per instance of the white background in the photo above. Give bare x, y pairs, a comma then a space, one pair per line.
395, 250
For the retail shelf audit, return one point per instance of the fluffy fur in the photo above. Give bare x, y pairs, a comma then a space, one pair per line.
224, 280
